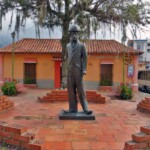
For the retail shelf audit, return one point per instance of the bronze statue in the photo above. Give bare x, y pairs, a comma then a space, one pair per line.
77, 63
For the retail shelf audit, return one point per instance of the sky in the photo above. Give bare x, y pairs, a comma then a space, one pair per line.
29, 32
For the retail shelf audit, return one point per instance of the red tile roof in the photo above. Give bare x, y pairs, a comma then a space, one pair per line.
54, 46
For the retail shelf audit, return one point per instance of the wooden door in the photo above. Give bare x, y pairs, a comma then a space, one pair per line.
30, 73
106, 74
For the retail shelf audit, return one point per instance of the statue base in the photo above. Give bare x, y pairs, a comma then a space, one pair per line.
75, 116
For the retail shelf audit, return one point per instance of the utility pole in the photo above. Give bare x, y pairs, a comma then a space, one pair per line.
123, 42
13, 49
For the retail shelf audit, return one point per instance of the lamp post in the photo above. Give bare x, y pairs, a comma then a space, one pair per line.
13, 48
123, 42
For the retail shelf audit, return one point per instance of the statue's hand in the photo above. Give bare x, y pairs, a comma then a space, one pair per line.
84, 72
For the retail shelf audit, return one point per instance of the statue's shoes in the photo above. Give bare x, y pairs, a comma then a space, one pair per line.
88, 112
70, 111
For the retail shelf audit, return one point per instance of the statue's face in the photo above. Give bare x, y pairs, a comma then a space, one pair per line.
74, 36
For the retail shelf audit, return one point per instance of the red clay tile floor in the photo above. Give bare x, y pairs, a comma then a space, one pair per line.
115, 122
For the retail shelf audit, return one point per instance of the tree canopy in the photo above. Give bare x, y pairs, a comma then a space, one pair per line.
89, 15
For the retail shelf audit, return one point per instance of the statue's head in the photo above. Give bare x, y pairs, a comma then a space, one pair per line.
74, 32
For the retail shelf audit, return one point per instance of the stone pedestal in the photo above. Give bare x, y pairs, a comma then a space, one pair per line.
75, 116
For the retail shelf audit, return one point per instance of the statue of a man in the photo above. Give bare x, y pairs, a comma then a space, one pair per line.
77, 63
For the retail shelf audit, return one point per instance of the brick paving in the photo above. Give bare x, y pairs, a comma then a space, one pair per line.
115, 122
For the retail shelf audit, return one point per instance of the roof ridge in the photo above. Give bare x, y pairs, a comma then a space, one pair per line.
99, 39
34, 45
11, 44
60, 39
37, 39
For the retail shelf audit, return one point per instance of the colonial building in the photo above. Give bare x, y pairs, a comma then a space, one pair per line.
38, 61
143, 45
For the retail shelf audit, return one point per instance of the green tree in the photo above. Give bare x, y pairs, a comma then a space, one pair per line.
88, 14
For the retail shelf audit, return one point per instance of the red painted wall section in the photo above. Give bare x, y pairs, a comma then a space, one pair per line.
1, 67
57, 74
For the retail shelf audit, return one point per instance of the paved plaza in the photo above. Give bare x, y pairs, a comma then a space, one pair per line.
115, 122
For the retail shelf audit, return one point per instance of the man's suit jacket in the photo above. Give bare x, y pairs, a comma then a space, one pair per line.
77, 56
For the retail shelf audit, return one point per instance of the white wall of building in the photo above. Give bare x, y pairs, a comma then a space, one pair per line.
148, 51
143, 45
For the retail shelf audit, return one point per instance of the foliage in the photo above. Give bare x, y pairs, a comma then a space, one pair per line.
88, 14
105, 82
125, 91
29, 81
12, 87
9, 88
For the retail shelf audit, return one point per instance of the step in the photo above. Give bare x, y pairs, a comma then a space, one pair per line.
132, 145
144, 107
141, 137
25, 137
145, 129
34, 145
147, 98
62, 95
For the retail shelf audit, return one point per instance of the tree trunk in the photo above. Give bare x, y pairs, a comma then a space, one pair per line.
64, 41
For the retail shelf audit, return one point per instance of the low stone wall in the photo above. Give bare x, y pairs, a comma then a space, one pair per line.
139, 140
144, 104
62, 95
19, 136
5, 103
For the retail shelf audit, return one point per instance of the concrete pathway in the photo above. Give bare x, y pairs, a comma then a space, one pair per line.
115, 122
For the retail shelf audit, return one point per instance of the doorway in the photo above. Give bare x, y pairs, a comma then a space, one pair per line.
106, 76
58, 70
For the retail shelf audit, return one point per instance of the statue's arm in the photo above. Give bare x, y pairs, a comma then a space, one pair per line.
84, 57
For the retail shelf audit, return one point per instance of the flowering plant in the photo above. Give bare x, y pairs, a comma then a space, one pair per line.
7, 80
126, 91
12, 87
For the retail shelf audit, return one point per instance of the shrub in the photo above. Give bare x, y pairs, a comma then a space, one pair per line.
105, 82
9, 88
125, 91
29, 81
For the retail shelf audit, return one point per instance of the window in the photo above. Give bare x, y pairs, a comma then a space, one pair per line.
138, 47
144, 75
139, 74
148, 50
141, 58
148, 44
148, 76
